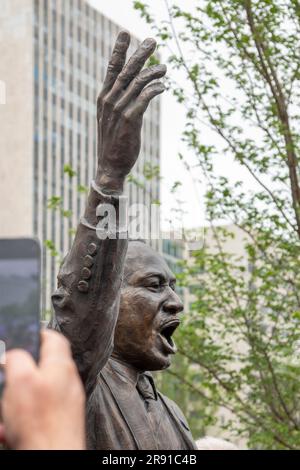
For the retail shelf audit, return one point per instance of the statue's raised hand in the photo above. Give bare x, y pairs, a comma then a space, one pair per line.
126, 94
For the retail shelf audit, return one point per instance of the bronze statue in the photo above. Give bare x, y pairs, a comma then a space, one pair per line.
118, 307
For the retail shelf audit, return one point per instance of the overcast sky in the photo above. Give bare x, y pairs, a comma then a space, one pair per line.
172, 122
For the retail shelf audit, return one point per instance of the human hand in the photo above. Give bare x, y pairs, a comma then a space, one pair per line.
43, 405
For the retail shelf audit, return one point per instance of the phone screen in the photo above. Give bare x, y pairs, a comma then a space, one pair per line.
19, 296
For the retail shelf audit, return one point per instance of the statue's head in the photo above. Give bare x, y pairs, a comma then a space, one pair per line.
149, 310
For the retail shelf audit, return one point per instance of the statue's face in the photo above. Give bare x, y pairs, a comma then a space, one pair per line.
149, 310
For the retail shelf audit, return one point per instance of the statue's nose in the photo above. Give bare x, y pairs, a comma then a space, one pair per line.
173, 305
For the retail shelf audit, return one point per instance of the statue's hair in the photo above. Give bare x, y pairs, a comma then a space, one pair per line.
133, 240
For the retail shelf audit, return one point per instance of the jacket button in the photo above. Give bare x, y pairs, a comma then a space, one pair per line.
88, 261
86, 273
92, 249
83, 286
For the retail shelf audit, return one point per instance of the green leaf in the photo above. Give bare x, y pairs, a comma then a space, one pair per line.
69, 171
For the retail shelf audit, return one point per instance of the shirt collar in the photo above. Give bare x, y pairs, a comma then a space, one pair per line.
132, 375
146, 386
125, 370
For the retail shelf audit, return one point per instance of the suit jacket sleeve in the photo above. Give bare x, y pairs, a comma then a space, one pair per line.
86, 302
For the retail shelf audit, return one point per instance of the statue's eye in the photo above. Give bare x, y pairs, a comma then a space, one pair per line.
154, 285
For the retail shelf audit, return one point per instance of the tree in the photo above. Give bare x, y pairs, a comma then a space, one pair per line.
241, 68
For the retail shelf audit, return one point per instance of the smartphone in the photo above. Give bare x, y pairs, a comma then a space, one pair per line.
20, 288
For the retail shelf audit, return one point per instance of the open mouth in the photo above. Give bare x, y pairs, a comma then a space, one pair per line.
166, 333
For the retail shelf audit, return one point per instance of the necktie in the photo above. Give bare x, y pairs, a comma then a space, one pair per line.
146, 389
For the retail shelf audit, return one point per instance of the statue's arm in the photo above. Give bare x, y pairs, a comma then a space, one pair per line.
86, 302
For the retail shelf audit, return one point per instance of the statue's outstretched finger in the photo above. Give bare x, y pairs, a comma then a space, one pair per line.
132, 68
138, 84
142, 102
116, 62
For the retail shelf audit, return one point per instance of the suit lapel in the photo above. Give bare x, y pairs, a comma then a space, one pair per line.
179, 421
